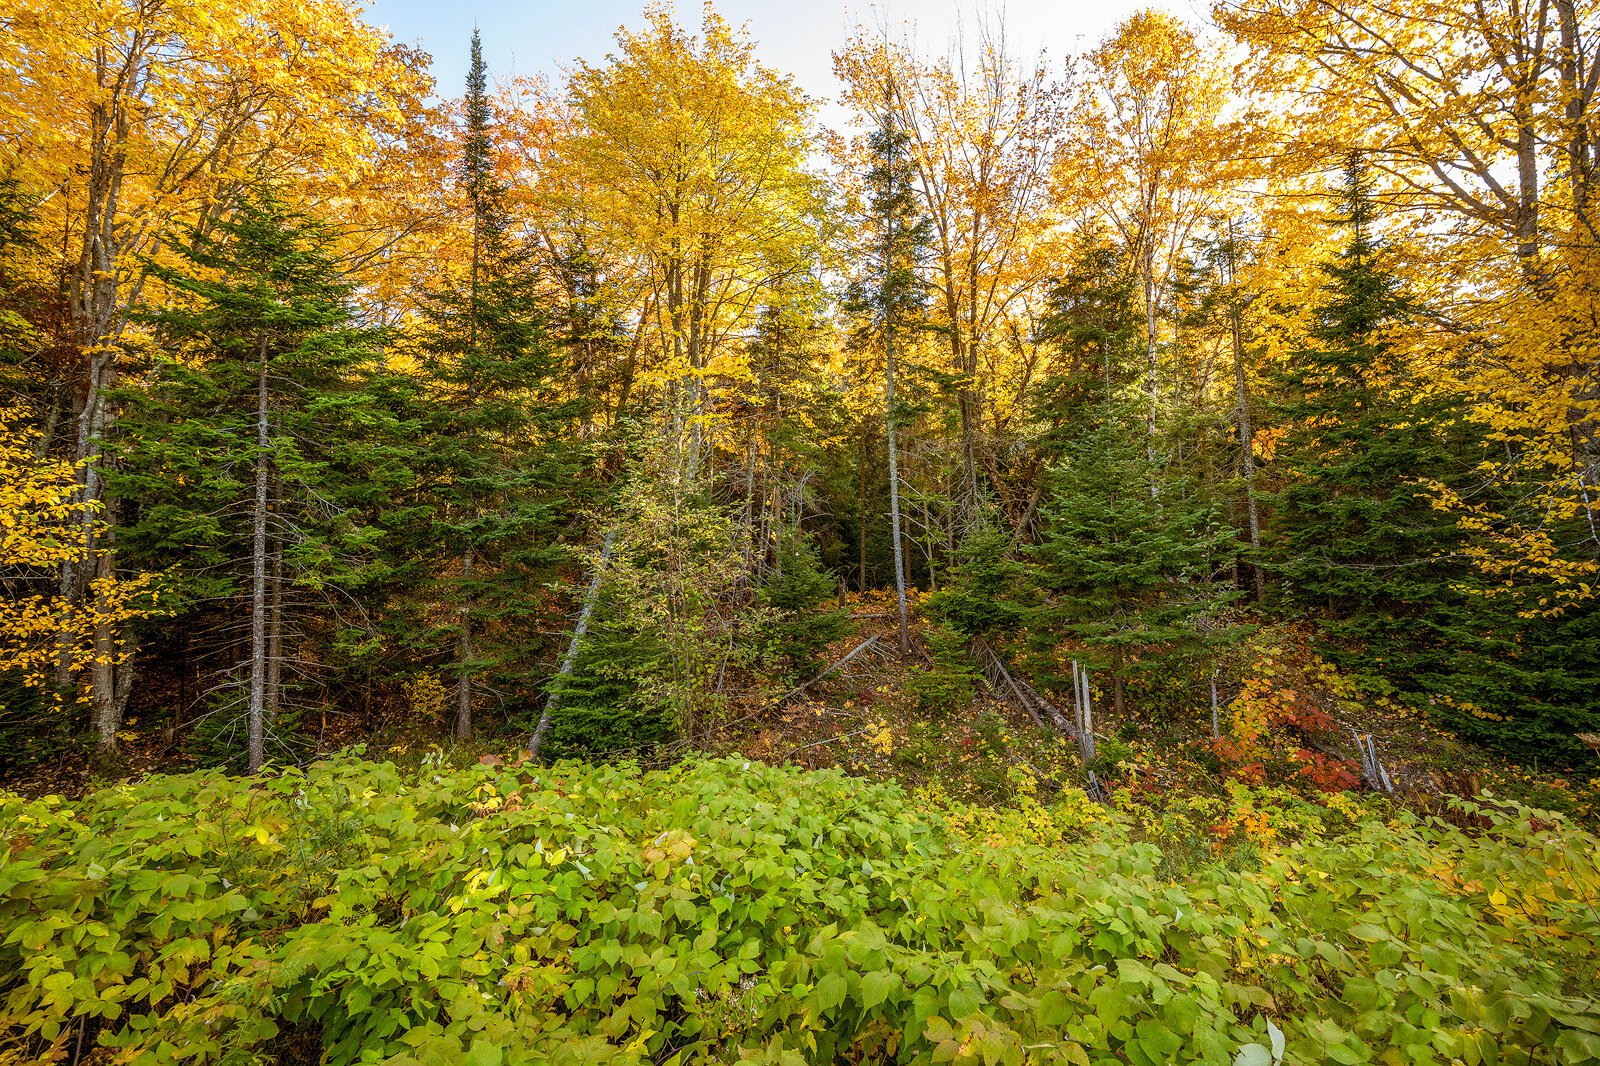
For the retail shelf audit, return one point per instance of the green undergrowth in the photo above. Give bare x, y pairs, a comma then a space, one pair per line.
727, 911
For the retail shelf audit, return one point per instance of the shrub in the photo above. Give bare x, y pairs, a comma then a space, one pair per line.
728, 911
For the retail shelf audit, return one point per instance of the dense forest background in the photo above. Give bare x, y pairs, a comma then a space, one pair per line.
1243, 375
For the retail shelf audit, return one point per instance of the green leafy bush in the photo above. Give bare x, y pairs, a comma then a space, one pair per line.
729, 911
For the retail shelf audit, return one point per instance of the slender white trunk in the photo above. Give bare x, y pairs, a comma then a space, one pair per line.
888, 406
258, 576
894, 485
463, 728
578, 633
1152, 385
1246, 437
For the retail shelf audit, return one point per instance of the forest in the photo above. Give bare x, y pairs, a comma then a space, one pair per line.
1083, 556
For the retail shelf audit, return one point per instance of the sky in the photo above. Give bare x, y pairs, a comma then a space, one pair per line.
525, 37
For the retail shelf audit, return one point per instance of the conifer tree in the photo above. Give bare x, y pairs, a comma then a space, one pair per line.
1359, 544
1361, 548
243, 456
1125, 573
497, 456
889, 294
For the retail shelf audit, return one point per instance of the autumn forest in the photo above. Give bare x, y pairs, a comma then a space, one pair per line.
1177, 457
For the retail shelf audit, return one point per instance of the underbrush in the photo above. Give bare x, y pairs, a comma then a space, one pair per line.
727, 911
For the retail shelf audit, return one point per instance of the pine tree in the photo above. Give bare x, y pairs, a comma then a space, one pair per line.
243, 456
497, 455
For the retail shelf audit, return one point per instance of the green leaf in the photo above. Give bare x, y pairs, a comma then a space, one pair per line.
831, 991
483, 1053
876, 987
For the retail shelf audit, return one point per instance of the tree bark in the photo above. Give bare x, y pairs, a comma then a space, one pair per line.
258, 575
1246, 437
579, 631
274, 693
1152, 385
861, 512
1117, 700
888, 420
463, 726
102, 669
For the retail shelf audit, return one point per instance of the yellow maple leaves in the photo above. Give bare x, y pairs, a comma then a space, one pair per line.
39, 521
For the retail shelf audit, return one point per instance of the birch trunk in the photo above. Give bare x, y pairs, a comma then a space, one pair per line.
1246, 434
258, 576
463, 726
888, 420
571, 656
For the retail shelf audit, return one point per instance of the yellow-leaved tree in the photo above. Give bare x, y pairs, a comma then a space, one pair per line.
40, 517
689, 156
134, 125
1150, 153
1480, 118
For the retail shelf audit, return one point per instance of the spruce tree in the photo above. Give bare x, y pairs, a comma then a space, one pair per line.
245, 455
1128, 575
1360, 548
497, 457
1122, 572
889, 295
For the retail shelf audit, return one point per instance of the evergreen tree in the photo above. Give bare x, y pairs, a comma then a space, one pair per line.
1361, 549
1356, 531
1093, 328
498, 456
889, 294
798, 590
1128, 575
245, 458
986, 593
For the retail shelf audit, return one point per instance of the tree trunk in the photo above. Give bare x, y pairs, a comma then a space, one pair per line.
888, 421
861, 512
274, 694
1117, 700
1216, 715
578, 633
258, 575
102, 670
1085, 706
1527, 184
1152, 387
1246, 437
1577, 91
463, 726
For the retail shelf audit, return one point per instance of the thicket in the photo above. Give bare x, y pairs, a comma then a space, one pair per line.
725, 911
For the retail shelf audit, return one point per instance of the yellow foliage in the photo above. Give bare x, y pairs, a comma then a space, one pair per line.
40, 527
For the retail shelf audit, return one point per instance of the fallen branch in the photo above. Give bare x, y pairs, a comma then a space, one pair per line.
571, 656
857, 650
1002, 681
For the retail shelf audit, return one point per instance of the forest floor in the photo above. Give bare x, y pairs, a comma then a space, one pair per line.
869, 717
866, 719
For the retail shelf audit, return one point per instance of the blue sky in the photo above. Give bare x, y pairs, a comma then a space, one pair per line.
544, 36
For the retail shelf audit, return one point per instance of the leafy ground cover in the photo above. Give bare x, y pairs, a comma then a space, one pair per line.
724, 911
